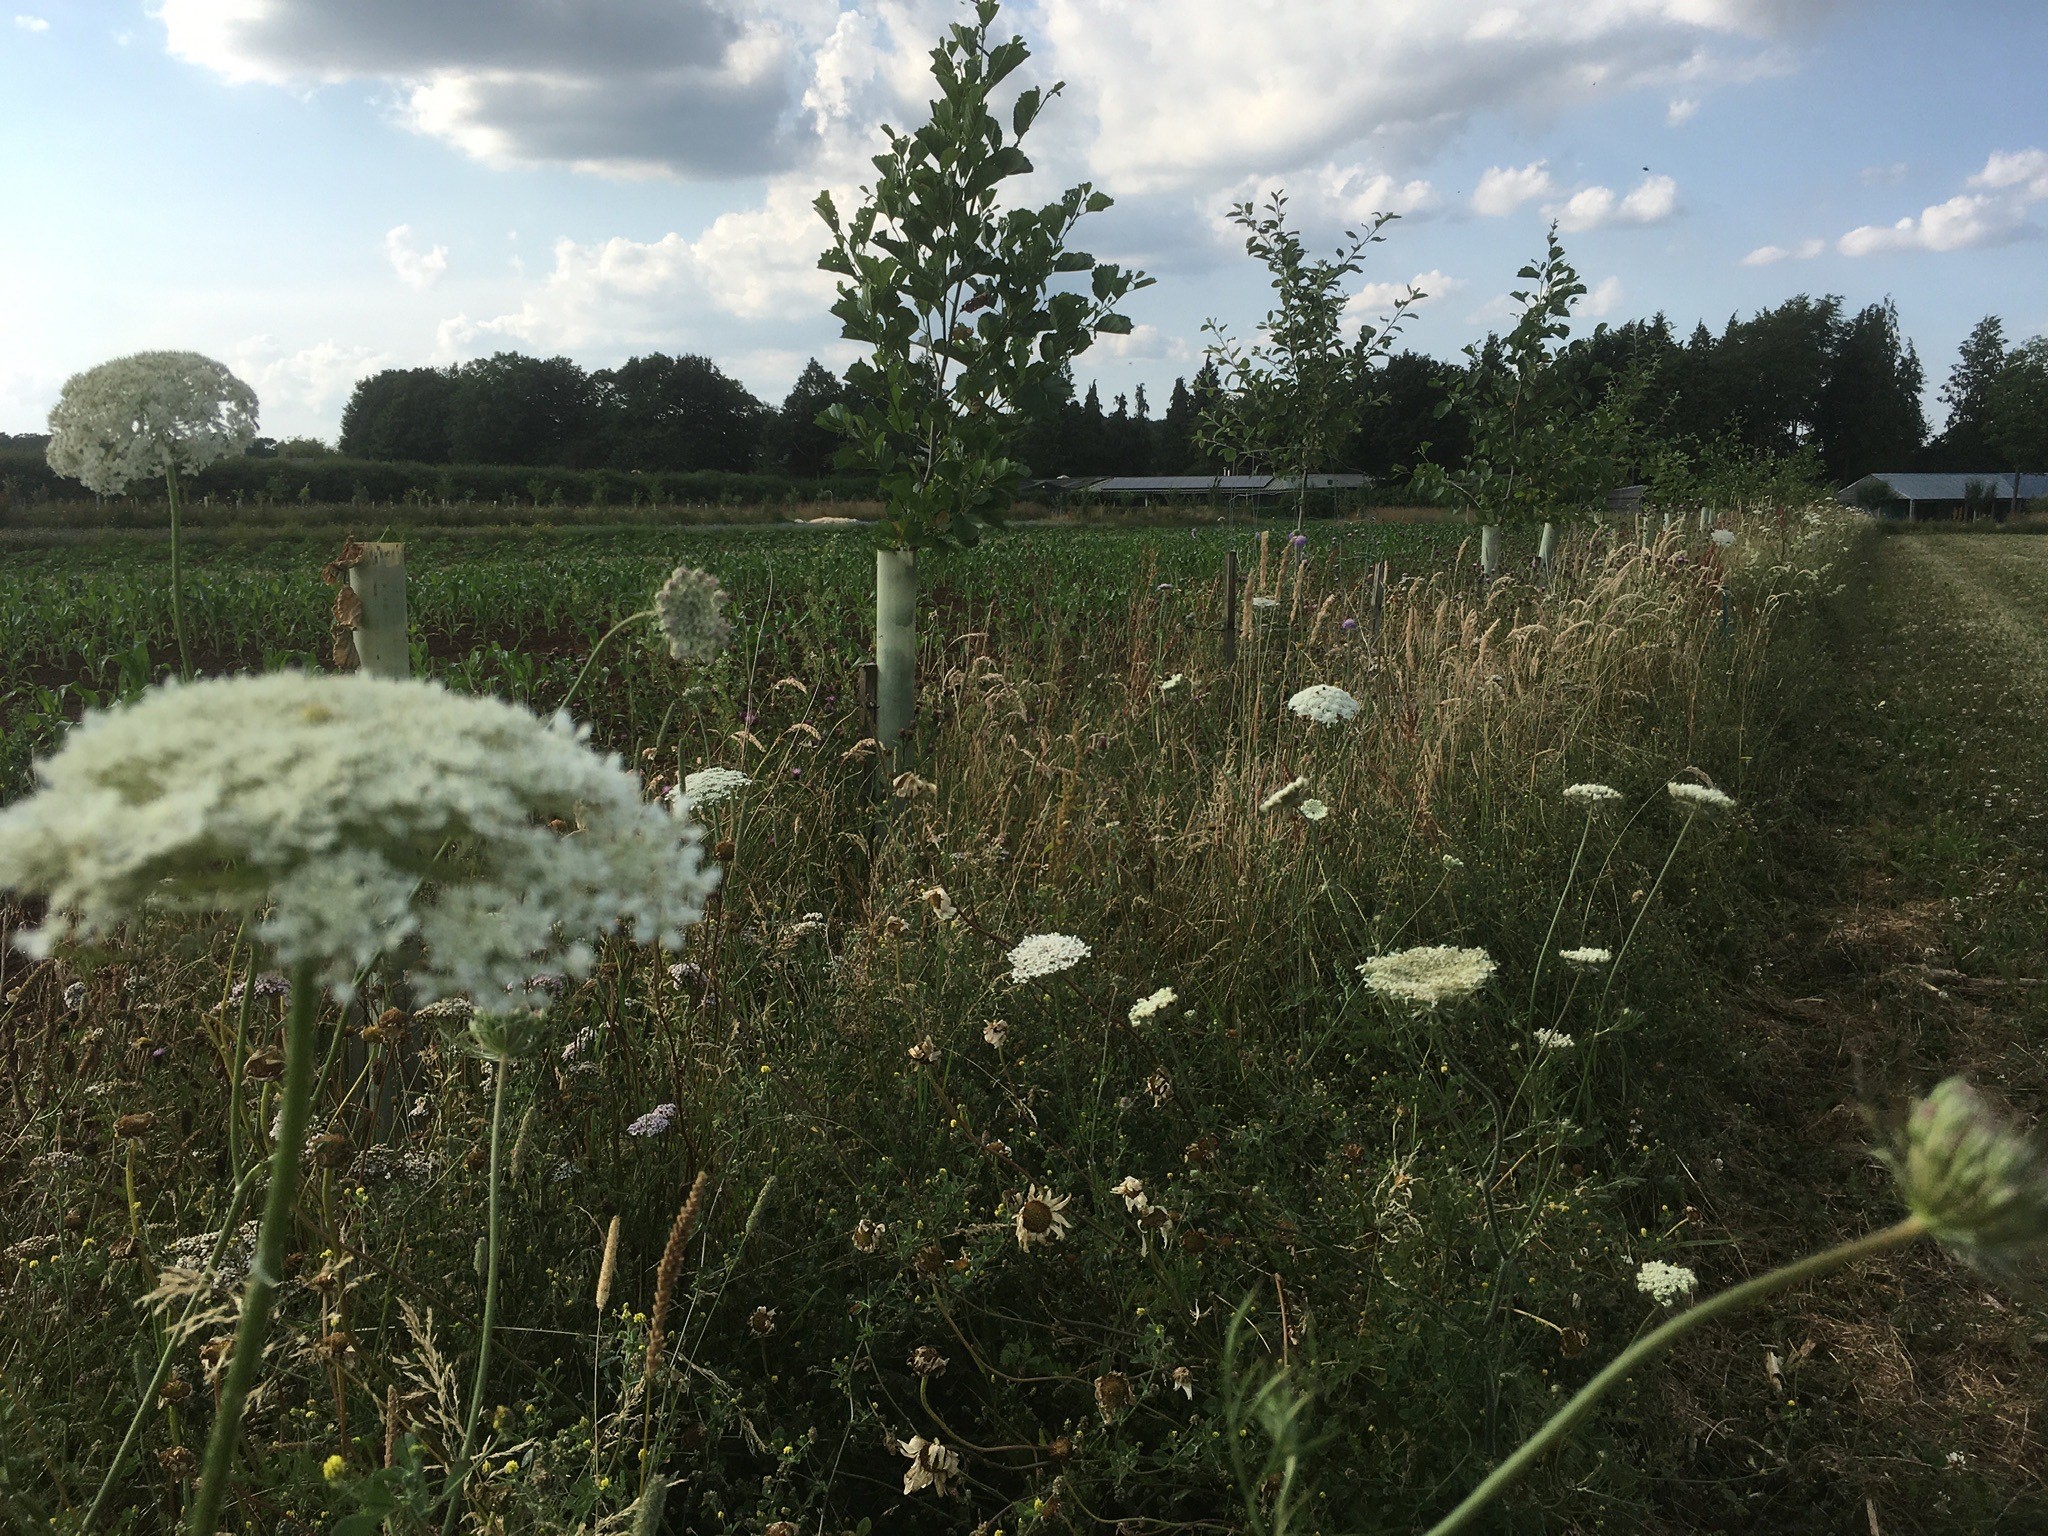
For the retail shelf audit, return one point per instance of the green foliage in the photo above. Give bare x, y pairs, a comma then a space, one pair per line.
1290, 403
932, 414
1538, 452
2016, 407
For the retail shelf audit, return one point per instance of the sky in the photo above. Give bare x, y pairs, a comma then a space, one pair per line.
312, 190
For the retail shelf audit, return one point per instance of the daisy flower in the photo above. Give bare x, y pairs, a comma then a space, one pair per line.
1041, 1218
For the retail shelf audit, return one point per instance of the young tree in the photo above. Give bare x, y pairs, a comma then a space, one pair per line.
793, 441
965, 337
1289, 403
1967, 394
1538, 453
2016, 411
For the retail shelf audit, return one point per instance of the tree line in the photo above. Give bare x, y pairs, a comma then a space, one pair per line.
1808, 377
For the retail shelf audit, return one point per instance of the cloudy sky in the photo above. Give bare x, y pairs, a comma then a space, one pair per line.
314, 189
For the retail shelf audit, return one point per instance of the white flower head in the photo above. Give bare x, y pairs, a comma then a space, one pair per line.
1585, 959
1289, 794
706, 788
1313, 810
1593, 797
1666, 1284
1265, 604
1175, 683
138, 417
654, 1122
345, 815
1324, 703
1695, 798
1428, 976
1041, 1218
1046, 954
1158, 1002
689, 610
1723, 537
1554, 1040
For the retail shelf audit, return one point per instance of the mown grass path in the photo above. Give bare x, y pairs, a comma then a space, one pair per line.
1903, 929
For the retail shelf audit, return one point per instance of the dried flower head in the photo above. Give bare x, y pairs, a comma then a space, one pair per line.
867, 1235
1428, 976
926, 1361
1593, 797
1585, 959
1113, 1396
1046, 954
138, 417
346, 814
1133, 1194
689, 610
1666, 1284
925, 1053
1158, 1002
761, 1322
1978, 1182
1696, 798
995, 1032
931, 1465
941, 904
1041, 1217
1325, 704
1289, 794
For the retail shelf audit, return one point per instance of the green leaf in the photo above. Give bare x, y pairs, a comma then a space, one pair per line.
1097, 201
1073, 261
1113, 325
1025, 112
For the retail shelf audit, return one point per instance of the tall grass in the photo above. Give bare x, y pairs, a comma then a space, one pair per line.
1423, 1221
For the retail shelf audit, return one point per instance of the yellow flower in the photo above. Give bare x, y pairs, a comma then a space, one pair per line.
333, 1467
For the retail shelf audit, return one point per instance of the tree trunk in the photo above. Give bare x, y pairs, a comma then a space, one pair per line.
895, 651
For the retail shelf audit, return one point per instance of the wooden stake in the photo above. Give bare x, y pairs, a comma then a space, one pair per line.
1230, 608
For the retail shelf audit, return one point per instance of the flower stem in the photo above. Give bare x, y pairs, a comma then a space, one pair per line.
631, 618
1557, 911
1649, 901
501, 1070
177, 579
1734, 1299
279, 1204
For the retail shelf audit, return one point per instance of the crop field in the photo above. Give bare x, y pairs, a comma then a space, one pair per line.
1199, 1233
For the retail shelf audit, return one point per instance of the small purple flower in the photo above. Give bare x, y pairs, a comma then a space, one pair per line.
273, 984
654, 1122
749, 718
1298, 541
1348, 625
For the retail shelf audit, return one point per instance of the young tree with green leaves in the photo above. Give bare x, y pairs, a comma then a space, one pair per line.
1539, 453
966, 341
1288, 404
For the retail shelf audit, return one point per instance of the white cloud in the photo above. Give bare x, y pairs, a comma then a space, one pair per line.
31, 23
1771, 255
1601, 300
1651, 201
311, 384
1681, 111
1502, 189
1883, 175
2011, 182
1374, 301
415, 268
1326, 198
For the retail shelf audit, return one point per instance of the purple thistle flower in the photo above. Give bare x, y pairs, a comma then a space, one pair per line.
1298, 541
1348, 625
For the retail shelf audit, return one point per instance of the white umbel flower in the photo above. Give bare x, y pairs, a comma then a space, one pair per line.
1666, 1284
689, 610
1554, 1040
1174, 683
1289, 794
1314, 810
705, 788
1585, 959
1158, 1002
1046, 954
1593, 797
138, 417
1428, 976
346, 814
1723, 537
1324, 703
1696, 798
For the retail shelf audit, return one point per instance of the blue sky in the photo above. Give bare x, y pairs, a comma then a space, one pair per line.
310, 190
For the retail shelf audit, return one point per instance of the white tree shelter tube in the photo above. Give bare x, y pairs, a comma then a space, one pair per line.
1489, 548
1547, 545
895, 646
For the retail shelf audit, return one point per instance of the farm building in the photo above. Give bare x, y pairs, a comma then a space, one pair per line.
1915, 496
1148, 488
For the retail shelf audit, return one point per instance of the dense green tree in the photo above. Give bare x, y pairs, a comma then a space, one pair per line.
404, 414
792, 441
512, 409
1963, 444
1868, 416
2016, 408
1401, 416
682, 413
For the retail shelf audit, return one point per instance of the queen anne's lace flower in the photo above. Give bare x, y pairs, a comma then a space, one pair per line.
1585, 959
1314, 810
1324, 703
1554, 1040
1158, 1002
689, 610
654, 1122
1174, 683
346, 814
1977, 1180
1723, 537
1696, 798
1289, 794
1666, 1284
1429, 976
137, 417
1046, 954
1593, 797
705, 788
